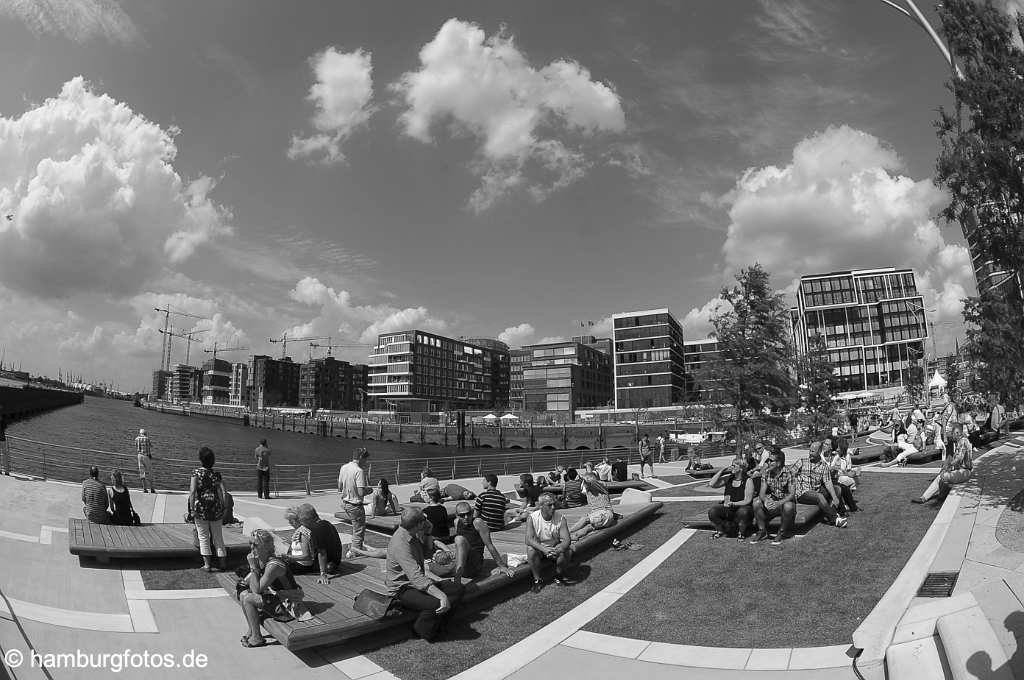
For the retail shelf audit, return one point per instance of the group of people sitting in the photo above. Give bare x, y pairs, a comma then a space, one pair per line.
759, 486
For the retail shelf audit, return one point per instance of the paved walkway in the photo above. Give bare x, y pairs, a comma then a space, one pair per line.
64, 608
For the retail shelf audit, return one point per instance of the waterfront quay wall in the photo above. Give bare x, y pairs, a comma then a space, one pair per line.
21, 402
526, 437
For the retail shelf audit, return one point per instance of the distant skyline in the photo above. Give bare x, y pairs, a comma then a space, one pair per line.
476, 169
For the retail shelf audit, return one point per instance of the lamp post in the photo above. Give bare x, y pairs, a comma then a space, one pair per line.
915, 15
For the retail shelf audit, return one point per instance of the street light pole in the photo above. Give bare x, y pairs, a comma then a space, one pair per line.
916, 16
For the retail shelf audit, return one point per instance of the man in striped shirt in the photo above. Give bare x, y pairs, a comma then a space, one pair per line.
491, 504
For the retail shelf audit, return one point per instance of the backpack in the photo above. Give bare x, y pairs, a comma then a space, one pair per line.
207, 504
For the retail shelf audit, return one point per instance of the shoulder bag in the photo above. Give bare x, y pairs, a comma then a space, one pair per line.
376, 605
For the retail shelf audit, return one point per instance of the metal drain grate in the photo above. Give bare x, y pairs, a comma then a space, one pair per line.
938, 584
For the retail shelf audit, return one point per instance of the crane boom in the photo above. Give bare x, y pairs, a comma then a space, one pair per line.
284, 340
165, 347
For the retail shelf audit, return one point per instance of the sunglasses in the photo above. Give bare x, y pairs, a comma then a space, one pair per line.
464, 514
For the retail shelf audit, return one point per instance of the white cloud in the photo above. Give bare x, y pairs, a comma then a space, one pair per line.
550, 338
487, 89
697, 322
515, 336
77, 20
90, 199
841, 204
411, 317
342, 97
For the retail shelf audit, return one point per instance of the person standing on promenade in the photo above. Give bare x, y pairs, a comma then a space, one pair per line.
660, 442
354, 484
206, 498
262, 470
645, 455
144, 452
5, 449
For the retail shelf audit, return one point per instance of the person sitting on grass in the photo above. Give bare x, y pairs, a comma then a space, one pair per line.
601, 514
844, 476
956, 467
736, 511
323, 544
408, 583
268, 574
95, 500
548, 538
572, 490
776, 498
471, 537
383, 502
814, 485
435, 511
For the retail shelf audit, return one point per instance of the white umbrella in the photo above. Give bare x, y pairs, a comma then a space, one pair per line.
937, 380
490, 416
510, 416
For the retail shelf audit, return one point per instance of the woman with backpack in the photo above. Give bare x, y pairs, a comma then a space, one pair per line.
206, 498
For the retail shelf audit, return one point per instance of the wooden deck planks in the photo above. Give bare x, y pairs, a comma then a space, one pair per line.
340, 621
149, 540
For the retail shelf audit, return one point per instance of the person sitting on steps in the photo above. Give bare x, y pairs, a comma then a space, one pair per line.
601, 514
814, 485
471, 537
736, 510
776, 498
547, 538
956, 468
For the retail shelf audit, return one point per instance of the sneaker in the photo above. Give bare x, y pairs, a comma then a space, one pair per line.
350, 555
841, 522
779, 538
537, 587
564, 581
759, 536
917, 500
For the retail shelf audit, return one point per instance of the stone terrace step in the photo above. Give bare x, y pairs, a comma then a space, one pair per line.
1005, 615
966, 638
921, 658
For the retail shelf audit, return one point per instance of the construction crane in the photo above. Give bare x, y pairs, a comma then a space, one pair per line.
186, 336
284, 340
223, 349
340, 345
165, 348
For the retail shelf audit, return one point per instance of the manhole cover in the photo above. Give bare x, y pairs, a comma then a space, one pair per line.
938, 584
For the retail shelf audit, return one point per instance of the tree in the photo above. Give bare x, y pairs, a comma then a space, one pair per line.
953, 376
915, 383
994, 348
816, 382
753, 370
982, 166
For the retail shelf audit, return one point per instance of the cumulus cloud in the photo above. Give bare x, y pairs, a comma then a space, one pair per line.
341, 319
697, 322
840, 203
486, 89
342, 97
77, 20
515, 336
90, 199
551, 338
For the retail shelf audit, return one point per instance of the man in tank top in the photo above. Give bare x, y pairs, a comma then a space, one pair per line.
547, 538
471, 537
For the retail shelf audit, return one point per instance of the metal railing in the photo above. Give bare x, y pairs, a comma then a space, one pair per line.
71, 463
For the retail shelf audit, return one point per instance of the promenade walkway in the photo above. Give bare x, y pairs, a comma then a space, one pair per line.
62, 607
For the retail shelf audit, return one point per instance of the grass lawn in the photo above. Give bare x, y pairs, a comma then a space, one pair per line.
813, 590
490, 625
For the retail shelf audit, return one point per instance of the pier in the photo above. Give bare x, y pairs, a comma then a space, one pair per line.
21, 402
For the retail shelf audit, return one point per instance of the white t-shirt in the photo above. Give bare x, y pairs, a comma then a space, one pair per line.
604, 471
998, 415
546, 531
350, 479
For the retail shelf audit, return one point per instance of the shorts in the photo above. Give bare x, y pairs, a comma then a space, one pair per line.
474, 563
646, 460
601, 518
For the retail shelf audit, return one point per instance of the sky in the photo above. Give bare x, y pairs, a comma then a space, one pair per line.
513, 170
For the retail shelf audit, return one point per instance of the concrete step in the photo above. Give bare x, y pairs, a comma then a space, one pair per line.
919, 621
971, 646
1001, 603
920, 658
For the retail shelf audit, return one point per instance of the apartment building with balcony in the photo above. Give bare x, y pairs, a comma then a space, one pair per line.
417, 371
216, 381
239, 390
873, 322
649, 366
517, 360
273, 382
331, 384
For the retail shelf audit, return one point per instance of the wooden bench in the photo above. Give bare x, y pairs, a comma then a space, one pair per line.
334, 620
389, 523
110, 541
806, 516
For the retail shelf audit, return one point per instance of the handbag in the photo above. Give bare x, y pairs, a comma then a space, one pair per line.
375, 605
136, 520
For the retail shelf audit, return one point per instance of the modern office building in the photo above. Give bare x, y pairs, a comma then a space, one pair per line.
501, 369
239, 394
331, 384
216, 387
559, 377
600, 344
649, 368
517, 359
697, 355
417, 371
873, 322
273, 382
161, 385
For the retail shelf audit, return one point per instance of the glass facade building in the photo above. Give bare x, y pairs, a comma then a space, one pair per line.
697, 354
418, 371
873, 323
649, 366
560, 377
